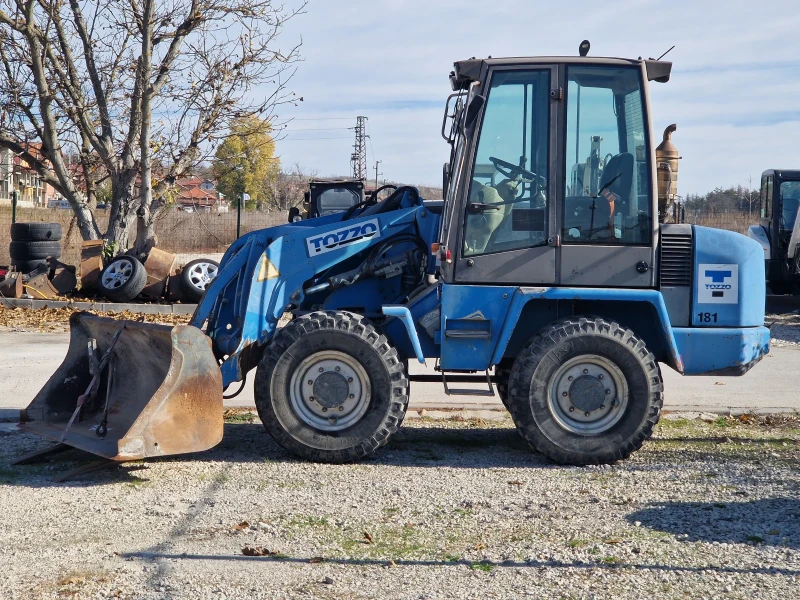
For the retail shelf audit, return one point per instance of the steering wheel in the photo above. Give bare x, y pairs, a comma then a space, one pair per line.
511, 170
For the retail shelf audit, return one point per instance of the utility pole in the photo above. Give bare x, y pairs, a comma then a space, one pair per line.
358, 159
377, 162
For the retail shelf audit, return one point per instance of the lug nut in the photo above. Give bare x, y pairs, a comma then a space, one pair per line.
352, 395
614, 402
569, 378
310, 382
602, 406
571, 409
608, 392
341, 408
599, 376
324, 409
338, 369
563, 393
321, 369
586, 414
585, 371
349, 380
312, 399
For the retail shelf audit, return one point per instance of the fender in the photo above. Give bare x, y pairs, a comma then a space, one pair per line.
523, 295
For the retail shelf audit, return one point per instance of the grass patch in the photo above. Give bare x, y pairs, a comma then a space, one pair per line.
577, 543
610, 560
309, 521
233, 415
483, 565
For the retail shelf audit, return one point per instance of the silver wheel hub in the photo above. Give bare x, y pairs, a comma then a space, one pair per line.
117, 273
330, 390
588, 394
202, 274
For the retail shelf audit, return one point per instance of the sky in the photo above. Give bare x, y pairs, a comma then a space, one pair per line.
734, 91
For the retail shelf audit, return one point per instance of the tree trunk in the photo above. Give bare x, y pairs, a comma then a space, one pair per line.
145, 234
123, 209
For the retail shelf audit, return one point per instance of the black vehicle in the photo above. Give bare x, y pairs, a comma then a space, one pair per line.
328, 196
778, 230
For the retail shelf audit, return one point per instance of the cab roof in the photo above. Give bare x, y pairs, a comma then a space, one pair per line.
467, 71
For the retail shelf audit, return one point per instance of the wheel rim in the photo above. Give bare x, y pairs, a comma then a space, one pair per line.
201, 275
117, 274
588, 394
330, 391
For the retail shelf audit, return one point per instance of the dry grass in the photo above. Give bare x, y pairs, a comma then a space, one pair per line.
177, 231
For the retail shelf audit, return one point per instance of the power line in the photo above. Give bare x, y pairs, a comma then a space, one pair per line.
326, 119
344, 137
281, 129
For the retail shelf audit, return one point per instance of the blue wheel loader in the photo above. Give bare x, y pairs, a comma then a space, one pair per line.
544, 274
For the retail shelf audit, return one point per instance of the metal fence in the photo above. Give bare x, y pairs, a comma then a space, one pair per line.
198, 233
177, 231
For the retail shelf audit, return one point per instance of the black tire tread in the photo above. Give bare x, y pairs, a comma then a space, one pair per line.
131, 288
538, 346
355, 325
34, 250
26, 266
35, 231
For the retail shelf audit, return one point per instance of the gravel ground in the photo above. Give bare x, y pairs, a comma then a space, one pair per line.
453, 509
784, 329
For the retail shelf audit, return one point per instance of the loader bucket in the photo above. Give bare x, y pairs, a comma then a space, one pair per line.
165, 395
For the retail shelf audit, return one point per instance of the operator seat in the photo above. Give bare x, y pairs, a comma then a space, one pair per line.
593, 218
480, 226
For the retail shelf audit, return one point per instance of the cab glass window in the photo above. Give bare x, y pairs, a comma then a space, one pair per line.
790, 200
766, 203
507, 205
607, 199
336, 200
763, 197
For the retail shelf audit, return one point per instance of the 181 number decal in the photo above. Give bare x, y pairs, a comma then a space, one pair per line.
705, 317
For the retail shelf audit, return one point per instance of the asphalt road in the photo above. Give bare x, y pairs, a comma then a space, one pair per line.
28, 359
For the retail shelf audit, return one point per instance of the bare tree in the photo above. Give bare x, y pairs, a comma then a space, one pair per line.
141, 91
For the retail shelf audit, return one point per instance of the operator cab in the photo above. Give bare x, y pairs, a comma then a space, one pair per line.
551, 178
778, 229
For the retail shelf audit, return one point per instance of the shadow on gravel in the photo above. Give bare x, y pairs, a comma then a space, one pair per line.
477, 565
770, 521
412, 446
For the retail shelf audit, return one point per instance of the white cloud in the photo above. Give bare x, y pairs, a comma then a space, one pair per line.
733, 92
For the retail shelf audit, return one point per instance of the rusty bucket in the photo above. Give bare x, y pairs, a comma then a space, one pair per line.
158, 392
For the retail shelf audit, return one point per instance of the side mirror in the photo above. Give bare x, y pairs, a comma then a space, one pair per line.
445, 179
294, 214
473, 110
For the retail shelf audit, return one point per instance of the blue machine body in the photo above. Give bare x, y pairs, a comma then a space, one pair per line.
312, 265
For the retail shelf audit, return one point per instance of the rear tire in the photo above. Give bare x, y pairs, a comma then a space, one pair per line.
585, 391
122, 279
35, 232
331, 363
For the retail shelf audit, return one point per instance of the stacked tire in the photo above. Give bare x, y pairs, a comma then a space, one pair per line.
33, 243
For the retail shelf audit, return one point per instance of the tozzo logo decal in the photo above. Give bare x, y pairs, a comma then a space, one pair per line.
718, 284
339, 238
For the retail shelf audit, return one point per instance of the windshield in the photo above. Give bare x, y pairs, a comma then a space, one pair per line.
336, 200
790, 200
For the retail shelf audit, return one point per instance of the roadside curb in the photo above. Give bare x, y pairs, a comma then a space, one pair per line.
104, 307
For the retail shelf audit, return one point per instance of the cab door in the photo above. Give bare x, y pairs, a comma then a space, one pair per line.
607, 226
508, 223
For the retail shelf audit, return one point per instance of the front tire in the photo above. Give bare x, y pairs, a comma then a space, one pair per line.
585, 391
330, 388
